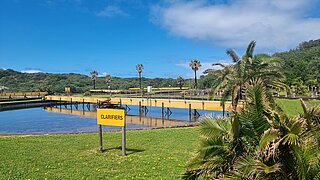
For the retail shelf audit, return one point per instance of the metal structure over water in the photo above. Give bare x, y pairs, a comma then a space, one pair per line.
22, 94
148, 121
168, 103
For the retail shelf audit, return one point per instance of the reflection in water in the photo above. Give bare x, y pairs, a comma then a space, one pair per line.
54, 120
138, 120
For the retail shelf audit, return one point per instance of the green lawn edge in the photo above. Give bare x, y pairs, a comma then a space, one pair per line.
159, 153
293, 107
152, 154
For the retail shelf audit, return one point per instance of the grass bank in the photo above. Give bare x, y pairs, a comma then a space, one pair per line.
19, 101
293, 106
152, 154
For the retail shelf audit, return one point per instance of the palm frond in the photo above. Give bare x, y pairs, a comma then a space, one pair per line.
217, 128
250, 49
311, 114
253, 168
214, 153
268, 136
233, 55
219, 64
294, 127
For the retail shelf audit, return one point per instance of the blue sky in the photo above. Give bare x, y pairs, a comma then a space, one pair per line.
78, 36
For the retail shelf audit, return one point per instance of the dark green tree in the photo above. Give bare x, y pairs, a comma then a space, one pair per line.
180, 82
195, 65
94, 74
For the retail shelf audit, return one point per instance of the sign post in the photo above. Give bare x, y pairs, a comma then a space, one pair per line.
100, 138
124, 140
112, 117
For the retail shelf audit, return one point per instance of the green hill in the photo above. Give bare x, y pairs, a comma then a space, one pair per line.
17, 81
301, 66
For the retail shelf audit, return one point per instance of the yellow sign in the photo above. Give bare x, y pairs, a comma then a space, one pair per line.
111, 117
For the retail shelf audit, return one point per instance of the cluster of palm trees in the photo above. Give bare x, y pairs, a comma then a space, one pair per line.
258, 141
94, 75
232, 77
194, 64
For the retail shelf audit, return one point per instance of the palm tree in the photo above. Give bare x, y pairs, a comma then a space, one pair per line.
94, 75
139, 68
234, 76
180, 82
259, 142
195, 65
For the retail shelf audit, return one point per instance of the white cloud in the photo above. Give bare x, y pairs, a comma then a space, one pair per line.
111, 11
274, 24
31, 71
103, 74
190, 74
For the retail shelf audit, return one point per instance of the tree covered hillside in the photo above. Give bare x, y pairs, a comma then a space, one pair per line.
301, 66
17, 81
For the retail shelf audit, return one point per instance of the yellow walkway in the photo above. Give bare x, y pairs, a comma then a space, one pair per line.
170, 103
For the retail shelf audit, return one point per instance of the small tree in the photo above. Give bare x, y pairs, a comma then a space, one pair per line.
195, 65
94, 75
180, 82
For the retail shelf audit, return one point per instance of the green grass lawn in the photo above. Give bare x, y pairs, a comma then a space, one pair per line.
152, 154
293, 106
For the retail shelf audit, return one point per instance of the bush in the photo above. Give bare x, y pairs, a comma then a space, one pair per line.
87, 93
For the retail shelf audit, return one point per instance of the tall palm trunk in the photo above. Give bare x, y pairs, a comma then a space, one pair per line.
140, 84
239, 96
235, 103
195, 80
94, 84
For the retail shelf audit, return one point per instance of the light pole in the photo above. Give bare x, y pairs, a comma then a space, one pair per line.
139, 68
108, 81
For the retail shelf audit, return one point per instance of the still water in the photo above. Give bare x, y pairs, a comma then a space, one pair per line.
56, 120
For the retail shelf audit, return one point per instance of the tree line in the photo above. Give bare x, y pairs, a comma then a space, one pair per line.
300, 67
15, 81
